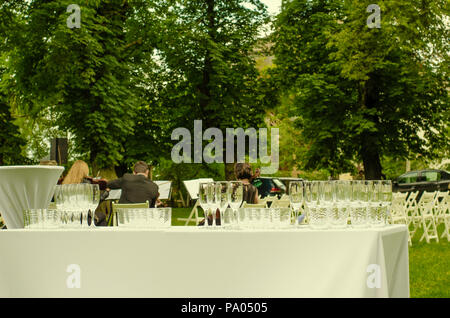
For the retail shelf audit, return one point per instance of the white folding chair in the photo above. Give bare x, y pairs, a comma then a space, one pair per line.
398, 213
425, 208
248, 205
398, 208
412, 213
442, 213
438, 207
280, 204
263, 201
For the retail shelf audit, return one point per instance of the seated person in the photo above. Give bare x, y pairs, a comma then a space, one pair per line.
136, 187
78, 173
243, 173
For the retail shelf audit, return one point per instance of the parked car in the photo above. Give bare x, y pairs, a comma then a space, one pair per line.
269, 186
287, 181
423, 180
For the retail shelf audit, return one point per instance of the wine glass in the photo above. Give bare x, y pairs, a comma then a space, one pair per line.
222, 189
212, 199
343, 194
236, 196
203, 199
296, 194
312, 202
386, 198
325, 204
360, 194
94, 200
58, 197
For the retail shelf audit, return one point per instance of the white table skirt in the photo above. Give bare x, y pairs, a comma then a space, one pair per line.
198, 262
25, 187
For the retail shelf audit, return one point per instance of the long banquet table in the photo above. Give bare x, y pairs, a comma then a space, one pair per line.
203, 263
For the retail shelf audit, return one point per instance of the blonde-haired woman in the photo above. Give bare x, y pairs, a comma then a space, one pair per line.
77, 173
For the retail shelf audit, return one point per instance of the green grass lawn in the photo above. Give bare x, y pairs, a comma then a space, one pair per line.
429, 264
429, 267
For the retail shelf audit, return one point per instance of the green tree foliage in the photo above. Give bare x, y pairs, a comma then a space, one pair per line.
87, 73
363, 93
11, 142
135, 70
207, 49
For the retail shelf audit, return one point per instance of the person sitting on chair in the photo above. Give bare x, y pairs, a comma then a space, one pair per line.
243, 173
136, 187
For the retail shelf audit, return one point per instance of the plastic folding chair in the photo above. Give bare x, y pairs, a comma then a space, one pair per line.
256, 206
113, 218
399, 213
442, 216
426, 205
412, 213
438, 208
280, 204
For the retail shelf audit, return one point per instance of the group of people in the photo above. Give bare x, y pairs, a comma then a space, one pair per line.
138, 188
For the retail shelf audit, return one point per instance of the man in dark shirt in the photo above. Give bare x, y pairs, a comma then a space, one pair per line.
136, 187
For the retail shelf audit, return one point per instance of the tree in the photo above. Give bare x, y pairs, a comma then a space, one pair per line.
207, 49
365, 93
11, 142
88, 73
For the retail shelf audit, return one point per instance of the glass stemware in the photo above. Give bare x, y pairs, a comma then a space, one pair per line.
213, 202
222, 190
93, 202
386, 199
340, 210
236, 196
324, 203
296, 194
360, 198
204, 187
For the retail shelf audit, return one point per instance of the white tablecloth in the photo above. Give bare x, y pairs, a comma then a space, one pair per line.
25, 187
195, 262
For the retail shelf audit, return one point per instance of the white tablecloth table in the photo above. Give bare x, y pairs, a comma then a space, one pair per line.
196, 262
25, 187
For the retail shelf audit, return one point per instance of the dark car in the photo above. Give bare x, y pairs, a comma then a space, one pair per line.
422, 180
287, 181
269, 186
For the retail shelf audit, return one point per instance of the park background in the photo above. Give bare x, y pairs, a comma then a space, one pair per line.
346, 97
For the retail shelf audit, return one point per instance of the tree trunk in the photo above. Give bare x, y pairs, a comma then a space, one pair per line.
370, 144
229, 172
108, 173
204, 87
371, 161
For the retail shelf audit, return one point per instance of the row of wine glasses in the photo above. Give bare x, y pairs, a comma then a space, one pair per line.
77, 197
57, 219
329, 203
215, 197
145, 218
